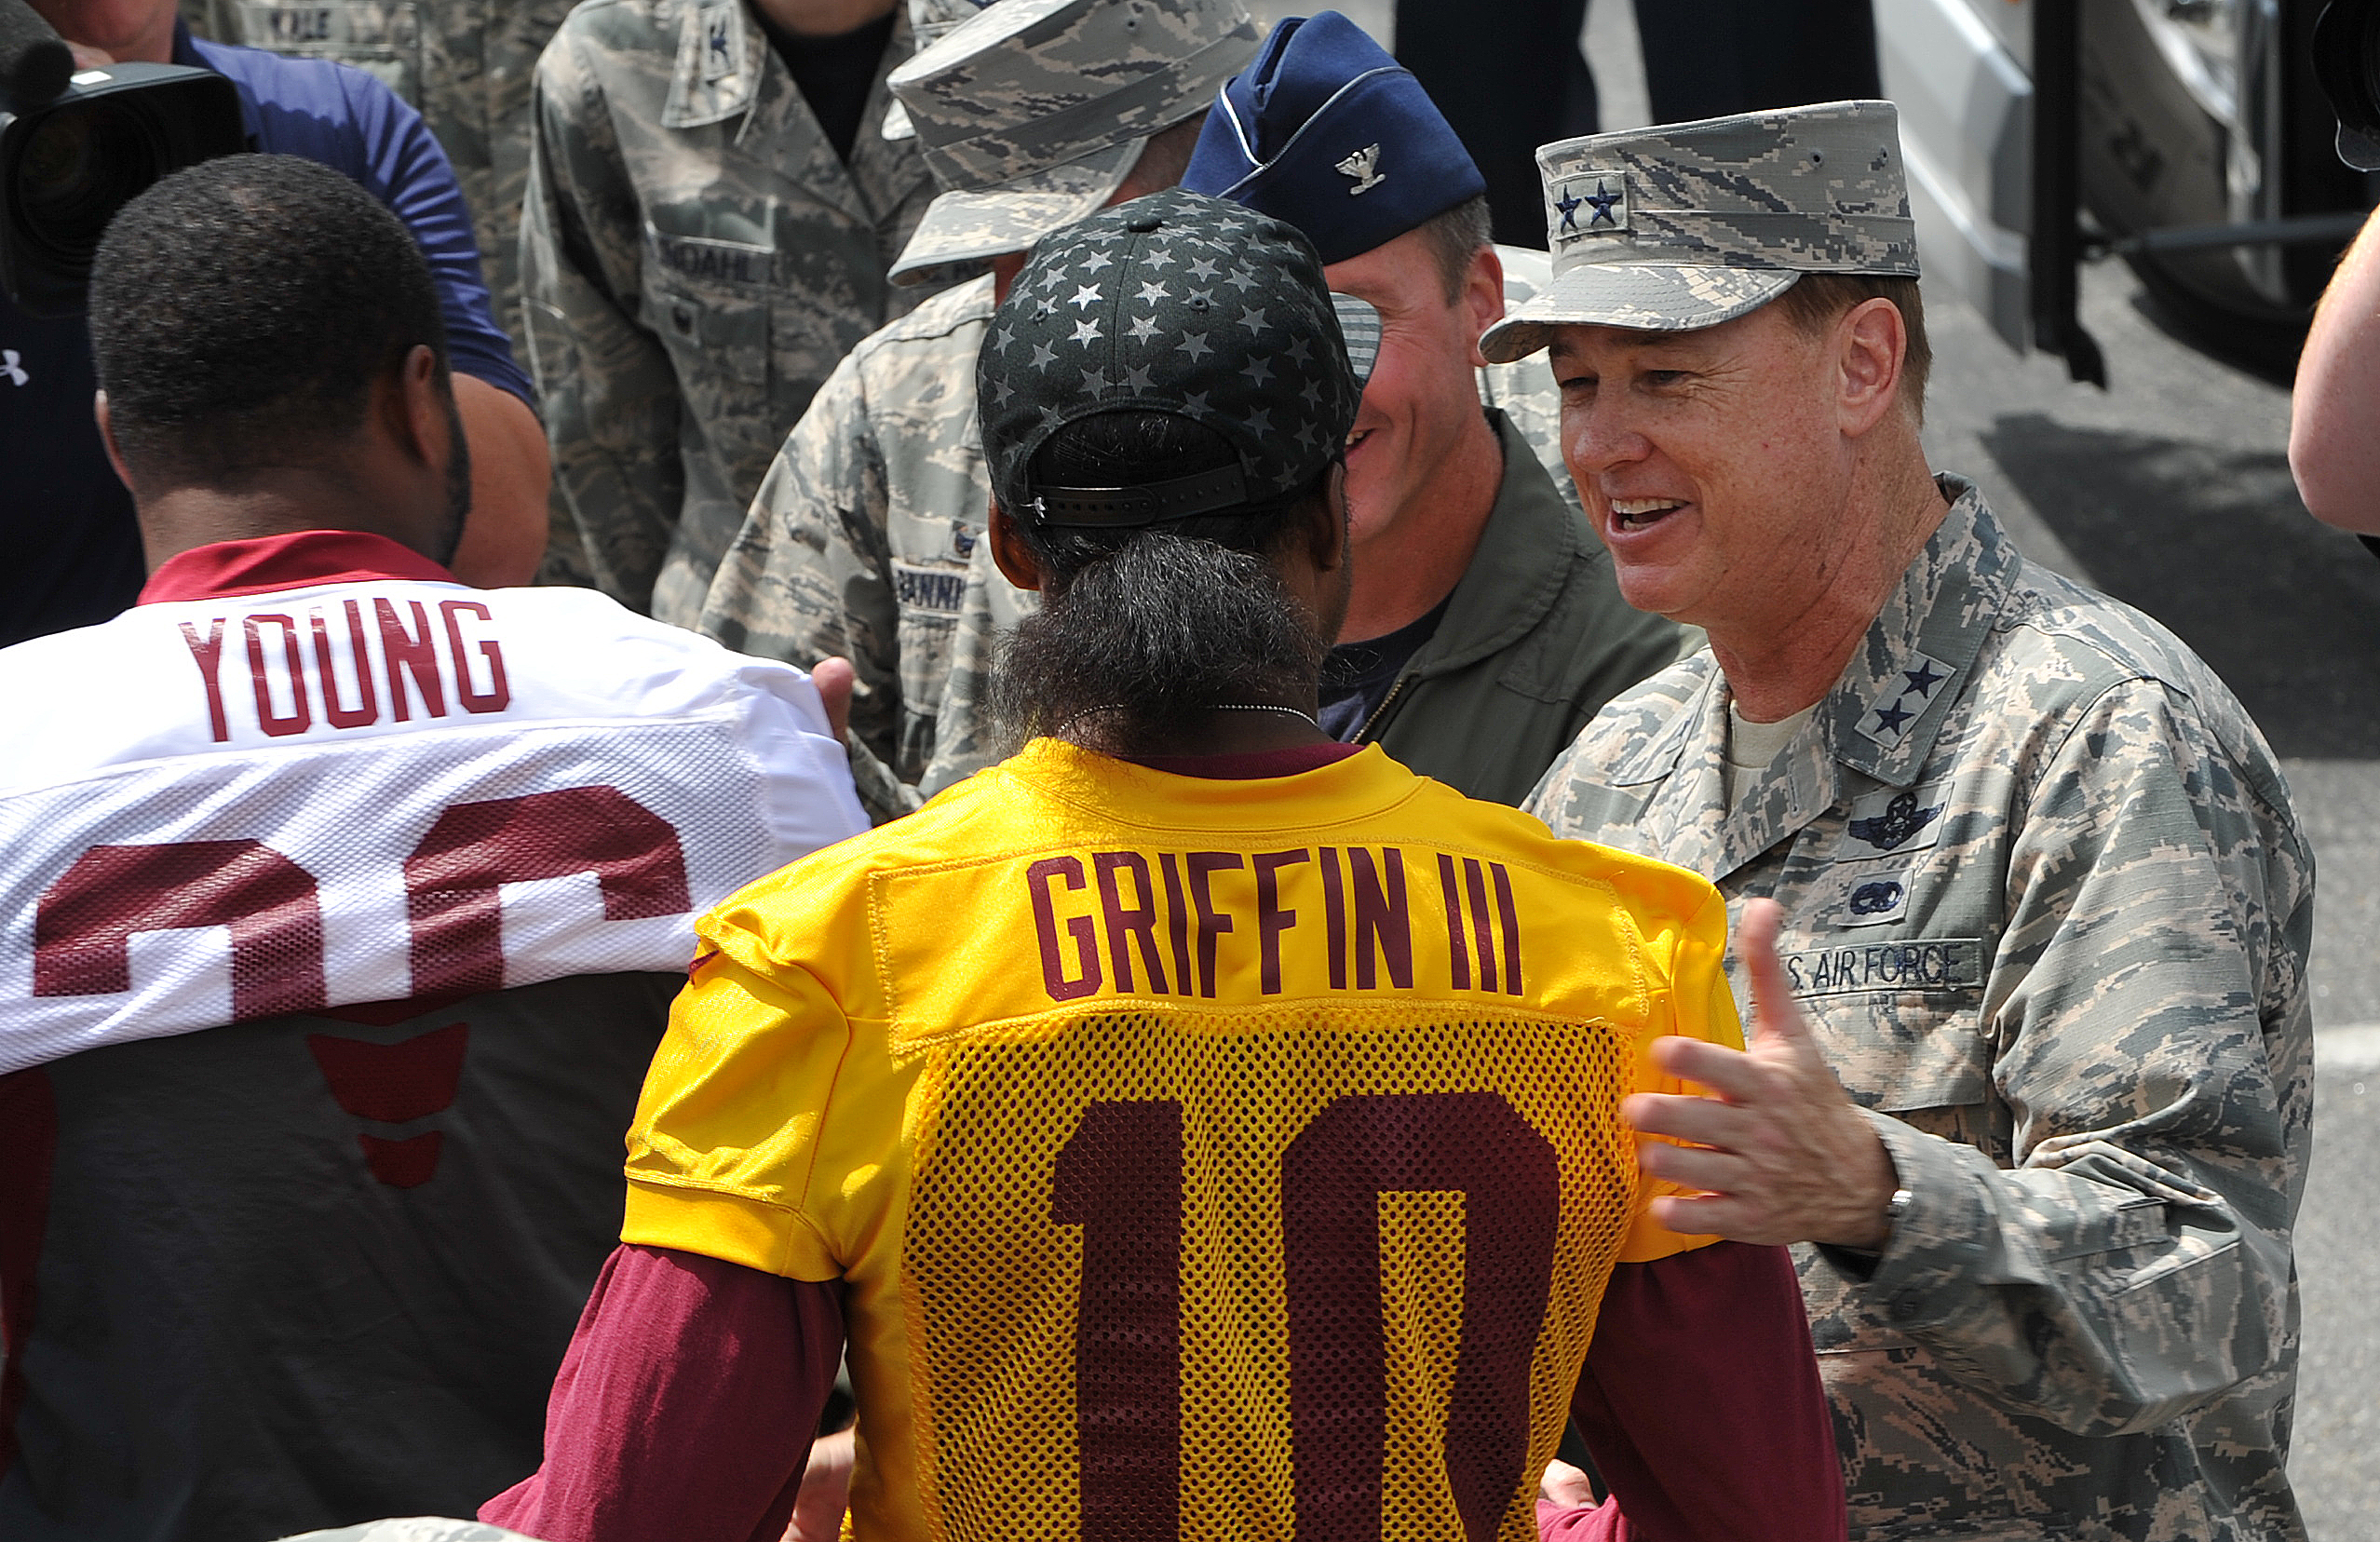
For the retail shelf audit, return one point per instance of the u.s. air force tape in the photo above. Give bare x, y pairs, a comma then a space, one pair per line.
1917, 964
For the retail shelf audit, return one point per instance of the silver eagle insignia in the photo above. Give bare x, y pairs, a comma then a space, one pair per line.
1359, 165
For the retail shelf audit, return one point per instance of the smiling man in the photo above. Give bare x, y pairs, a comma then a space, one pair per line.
2045, 909
1483, 629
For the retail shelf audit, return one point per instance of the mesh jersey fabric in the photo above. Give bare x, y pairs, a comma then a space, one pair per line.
1201, 1157
224, 807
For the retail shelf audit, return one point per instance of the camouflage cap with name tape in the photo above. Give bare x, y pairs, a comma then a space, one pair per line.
1181, 303
1031, 115
1688, 225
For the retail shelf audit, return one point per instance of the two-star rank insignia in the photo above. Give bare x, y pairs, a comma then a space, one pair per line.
1363, 166
1895, 706
1593, 203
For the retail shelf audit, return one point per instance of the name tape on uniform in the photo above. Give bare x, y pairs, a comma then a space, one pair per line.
1952, 964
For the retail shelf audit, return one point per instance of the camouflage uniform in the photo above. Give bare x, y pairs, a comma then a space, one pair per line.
1031, 116
866, 540
695, 259
466, 72
2047, 912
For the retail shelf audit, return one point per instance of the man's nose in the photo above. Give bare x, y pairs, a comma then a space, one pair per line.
1597, 436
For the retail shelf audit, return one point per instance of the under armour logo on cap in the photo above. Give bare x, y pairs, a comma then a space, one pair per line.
11, 367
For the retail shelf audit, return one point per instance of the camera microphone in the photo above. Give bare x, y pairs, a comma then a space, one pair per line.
34, 62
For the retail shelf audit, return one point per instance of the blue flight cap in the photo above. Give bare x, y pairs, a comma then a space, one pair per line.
1328, 133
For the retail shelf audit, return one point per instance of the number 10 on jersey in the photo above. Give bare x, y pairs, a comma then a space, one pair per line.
1120, 1178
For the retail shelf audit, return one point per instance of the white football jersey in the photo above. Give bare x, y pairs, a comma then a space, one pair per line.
219, 809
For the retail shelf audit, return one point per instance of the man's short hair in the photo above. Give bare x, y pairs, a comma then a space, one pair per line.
1817, 299
241, 309
1457, 236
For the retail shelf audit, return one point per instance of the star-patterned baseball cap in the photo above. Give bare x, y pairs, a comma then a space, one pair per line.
1685, 225
1031, 114
1327, 131
1181, 303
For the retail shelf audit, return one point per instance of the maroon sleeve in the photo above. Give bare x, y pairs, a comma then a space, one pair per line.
684, 1408
1701, 1404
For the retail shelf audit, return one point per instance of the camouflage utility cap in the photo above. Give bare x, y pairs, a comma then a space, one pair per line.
1689, 224
1180, 304
1032, 115
930, 22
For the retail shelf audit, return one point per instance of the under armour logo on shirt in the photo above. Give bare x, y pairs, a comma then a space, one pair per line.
11, 367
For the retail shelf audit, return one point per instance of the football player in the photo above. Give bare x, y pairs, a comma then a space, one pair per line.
1195, 1125
344, 906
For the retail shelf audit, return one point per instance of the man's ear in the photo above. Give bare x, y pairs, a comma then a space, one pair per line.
1010, 553
107, 437
1871, 346
1329, 533
418, 413
1483, 298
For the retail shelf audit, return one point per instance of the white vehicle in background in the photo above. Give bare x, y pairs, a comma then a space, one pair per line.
2188, 135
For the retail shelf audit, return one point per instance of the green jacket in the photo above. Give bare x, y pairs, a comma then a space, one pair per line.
1535, 641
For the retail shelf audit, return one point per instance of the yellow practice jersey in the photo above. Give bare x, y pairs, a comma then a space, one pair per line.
1205, 1159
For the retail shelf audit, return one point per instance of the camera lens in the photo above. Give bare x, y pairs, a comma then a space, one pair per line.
83, 162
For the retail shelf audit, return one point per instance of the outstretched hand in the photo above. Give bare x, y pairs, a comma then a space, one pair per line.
1782, 1153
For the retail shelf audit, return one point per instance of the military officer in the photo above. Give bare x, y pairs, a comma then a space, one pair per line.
1482, 629
2045, 908
712, 206
1034, 115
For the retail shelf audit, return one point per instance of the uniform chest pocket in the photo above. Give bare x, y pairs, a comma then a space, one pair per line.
718, 338
1899, 1018
716, 332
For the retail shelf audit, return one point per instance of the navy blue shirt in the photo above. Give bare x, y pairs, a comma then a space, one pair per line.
69, 553
1356, 676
